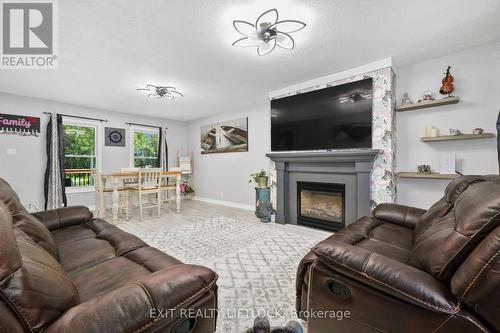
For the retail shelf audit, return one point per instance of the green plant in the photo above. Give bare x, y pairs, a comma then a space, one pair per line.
189, 190
255, 176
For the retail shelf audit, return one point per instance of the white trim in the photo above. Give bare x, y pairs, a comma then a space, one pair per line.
132, 130
79, 189
224, 203
373, 66
99, 137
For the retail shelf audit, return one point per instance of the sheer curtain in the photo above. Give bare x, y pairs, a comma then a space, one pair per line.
54, 190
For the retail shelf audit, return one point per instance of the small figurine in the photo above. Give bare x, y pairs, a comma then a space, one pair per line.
427, 96
455, 131
447, 83
406, 99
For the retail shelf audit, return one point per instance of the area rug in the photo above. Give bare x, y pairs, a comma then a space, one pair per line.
256, 262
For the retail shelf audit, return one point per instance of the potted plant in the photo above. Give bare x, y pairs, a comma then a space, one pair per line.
189, 192
261, 178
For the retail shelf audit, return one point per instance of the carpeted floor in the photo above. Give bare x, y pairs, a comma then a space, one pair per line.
256, 262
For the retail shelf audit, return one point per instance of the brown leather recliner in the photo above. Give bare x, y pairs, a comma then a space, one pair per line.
409, 270
64, 271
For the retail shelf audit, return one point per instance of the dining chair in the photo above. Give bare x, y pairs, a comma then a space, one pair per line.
131, 180
168, 186
101, 190
149, 182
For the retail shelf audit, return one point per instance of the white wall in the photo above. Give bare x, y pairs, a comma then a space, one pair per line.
25, 170
224, 177
476, 73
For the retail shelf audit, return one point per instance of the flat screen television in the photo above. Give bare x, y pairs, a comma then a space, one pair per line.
337, 117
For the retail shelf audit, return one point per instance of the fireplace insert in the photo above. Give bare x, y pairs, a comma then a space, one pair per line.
321, 205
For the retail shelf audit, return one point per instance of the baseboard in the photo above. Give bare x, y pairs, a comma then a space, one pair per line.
224, 203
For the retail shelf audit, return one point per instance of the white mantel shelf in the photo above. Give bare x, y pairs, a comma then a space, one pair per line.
348, 155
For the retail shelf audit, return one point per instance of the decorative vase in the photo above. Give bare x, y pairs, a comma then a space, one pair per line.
262, 181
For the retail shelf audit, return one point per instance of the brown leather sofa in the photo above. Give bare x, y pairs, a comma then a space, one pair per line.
64, 271
409, 270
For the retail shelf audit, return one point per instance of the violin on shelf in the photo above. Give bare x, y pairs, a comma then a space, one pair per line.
447, 84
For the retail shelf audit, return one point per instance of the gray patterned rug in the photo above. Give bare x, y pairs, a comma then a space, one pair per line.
256, 262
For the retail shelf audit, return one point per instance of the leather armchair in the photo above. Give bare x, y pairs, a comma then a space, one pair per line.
405, 269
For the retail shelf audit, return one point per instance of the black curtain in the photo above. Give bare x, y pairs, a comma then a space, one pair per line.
60, 155
162, 139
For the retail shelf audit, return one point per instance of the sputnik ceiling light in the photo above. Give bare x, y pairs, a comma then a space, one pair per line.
267, 32
160, 92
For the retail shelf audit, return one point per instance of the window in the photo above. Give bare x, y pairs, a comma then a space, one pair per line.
80, 154
144, 152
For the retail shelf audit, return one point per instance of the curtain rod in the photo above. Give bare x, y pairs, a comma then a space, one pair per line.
79, 117
143, 125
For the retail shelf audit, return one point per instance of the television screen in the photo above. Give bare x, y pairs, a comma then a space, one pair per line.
337, 117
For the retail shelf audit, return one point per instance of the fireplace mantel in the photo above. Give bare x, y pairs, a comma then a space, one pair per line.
349, 167
351, 155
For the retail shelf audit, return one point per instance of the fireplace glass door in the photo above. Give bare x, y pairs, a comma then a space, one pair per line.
321, 205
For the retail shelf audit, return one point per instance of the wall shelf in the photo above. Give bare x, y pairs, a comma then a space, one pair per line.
427, 176
428, 104
458, 137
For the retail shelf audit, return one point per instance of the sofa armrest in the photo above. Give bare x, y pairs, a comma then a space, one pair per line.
302, 280
151, 303
387, 275
398, 214
64, 217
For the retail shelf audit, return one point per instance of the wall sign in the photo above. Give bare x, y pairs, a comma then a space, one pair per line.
114, 137
19, 125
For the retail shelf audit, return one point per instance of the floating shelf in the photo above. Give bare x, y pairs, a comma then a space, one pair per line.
427, 176
458, 137
428, 104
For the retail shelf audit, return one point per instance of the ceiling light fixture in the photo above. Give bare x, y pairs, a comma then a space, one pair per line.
354, 97
160, 92
267, 32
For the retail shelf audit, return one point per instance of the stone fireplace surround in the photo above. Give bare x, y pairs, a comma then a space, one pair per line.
351, 168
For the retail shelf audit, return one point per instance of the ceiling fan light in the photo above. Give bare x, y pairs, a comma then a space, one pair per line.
267, 32
159, 92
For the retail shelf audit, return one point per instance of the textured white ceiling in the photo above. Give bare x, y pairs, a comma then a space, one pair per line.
109, 48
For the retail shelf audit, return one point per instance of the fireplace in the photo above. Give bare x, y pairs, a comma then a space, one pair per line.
321, 205
344, 172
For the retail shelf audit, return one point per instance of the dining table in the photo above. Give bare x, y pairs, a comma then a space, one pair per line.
117, 180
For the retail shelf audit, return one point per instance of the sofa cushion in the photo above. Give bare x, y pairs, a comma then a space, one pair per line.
25, 221
445, 242
33, 283
134, 266
387, 239
99, 240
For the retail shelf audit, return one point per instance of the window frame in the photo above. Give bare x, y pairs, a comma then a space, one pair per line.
142, 129
97, 149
